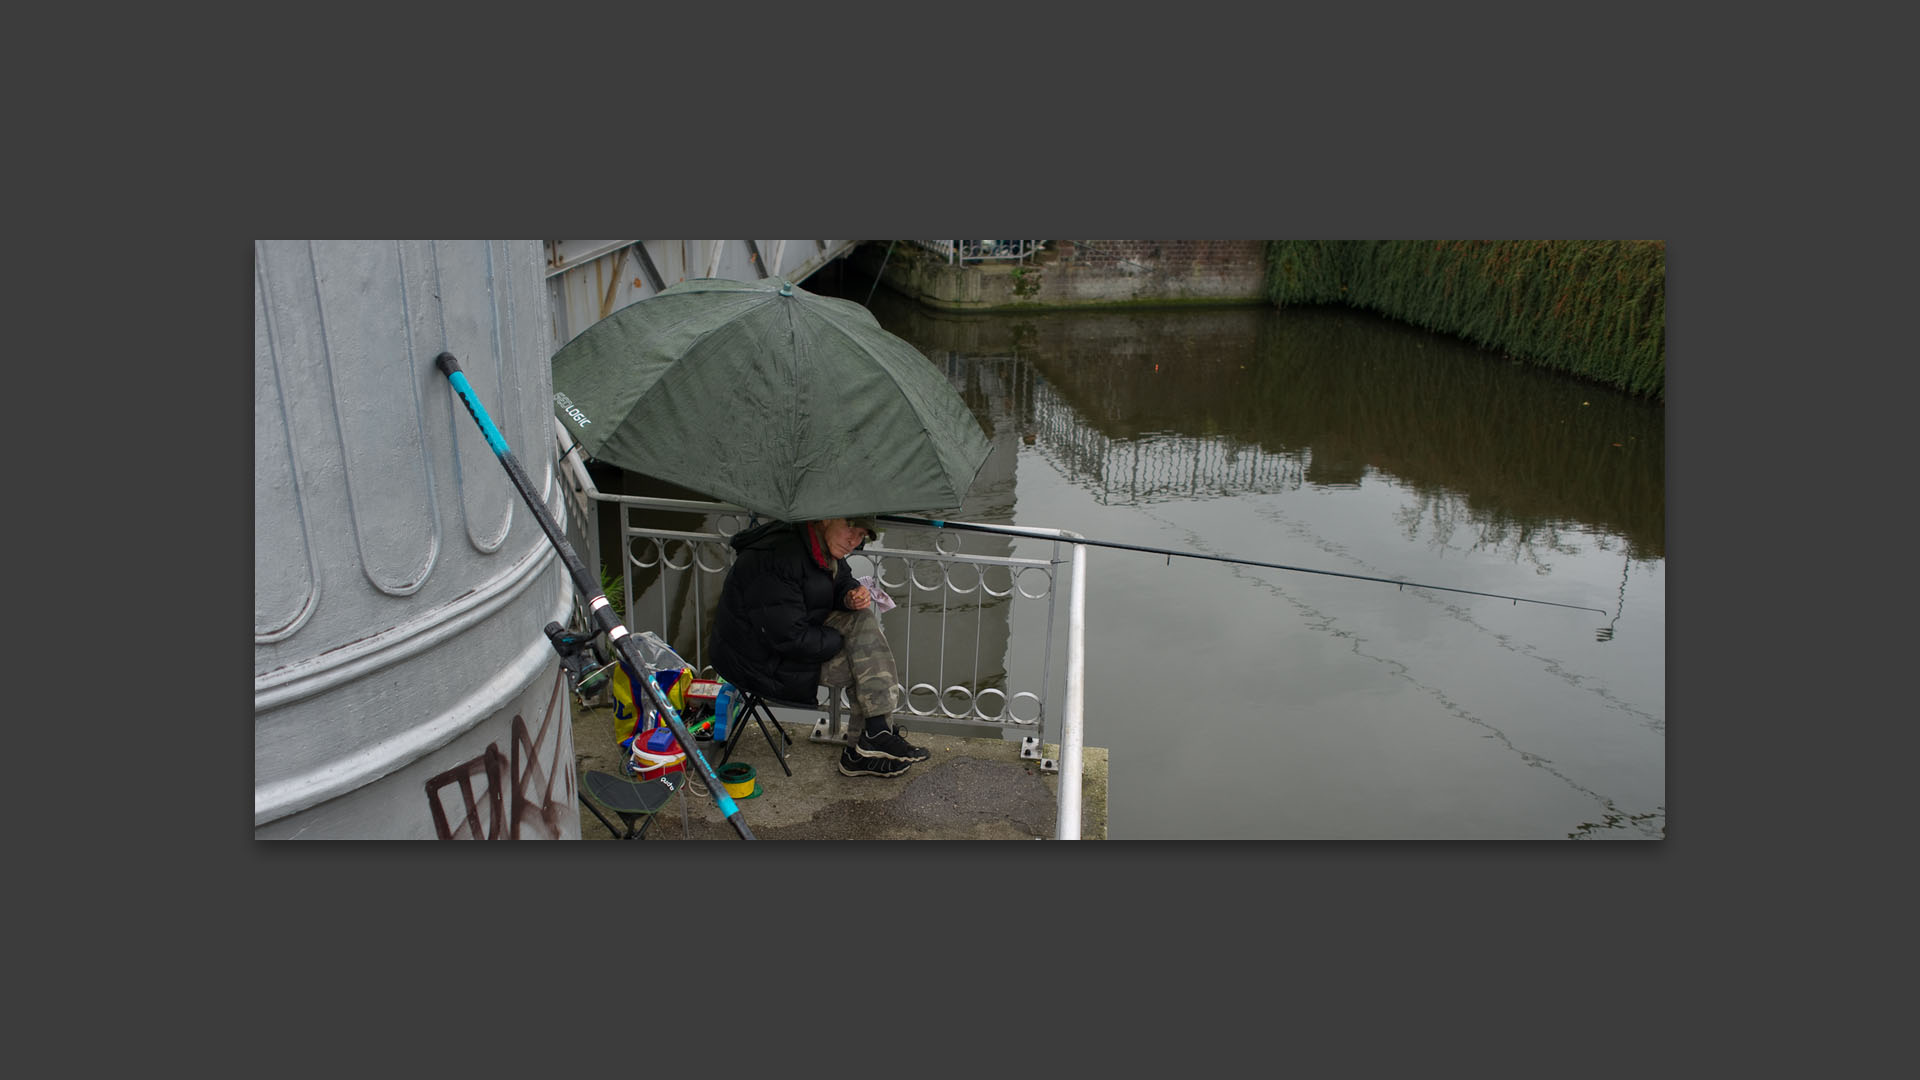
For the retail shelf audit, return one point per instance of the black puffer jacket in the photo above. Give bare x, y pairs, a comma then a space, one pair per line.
770, 633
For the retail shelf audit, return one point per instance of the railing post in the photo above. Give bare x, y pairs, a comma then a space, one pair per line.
1073, 721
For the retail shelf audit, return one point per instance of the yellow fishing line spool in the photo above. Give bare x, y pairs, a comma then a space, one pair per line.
738, 777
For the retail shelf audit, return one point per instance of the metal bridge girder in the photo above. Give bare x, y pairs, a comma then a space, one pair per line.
589, 280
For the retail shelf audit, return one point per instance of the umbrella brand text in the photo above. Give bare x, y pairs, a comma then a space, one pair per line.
567, 403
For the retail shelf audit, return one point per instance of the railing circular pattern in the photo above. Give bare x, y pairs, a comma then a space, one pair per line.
1046, 581
673, 553
962, 579
721, 553
896, 572
958, 577
969, 705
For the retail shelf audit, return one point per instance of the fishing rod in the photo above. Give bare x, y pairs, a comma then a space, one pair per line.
599, 609
935, 524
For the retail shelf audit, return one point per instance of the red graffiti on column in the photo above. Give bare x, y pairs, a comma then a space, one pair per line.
521, 797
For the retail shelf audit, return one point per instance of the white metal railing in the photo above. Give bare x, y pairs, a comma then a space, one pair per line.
961, 620
965, 251
1158, 467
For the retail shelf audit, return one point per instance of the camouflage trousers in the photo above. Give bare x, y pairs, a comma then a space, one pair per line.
864, 663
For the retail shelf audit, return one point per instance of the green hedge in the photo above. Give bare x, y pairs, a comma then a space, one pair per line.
1591, 308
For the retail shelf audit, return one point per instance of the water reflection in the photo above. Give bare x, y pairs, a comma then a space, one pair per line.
1149, 406
1339, 439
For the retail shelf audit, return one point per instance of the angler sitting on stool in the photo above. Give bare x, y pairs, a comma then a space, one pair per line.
792, 617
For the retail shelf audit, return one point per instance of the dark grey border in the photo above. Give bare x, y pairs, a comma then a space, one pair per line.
1030, 912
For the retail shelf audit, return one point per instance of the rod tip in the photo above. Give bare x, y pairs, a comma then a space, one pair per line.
447, 364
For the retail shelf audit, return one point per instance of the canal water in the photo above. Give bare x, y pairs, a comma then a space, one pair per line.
1242, 702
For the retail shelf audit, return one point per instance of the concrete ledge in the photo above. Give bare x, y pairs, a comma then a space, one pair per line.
970, 789
1090, 275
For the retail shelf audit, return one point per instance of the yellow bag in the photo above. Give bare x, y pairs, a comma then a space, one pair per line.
677, 693
627, 712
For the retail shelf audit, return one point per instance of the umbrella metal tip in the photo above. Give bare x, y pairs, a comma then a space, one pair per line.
786, 288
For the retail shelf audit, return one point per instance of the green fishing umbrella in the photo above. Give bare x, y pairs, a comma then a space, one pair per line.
793, 405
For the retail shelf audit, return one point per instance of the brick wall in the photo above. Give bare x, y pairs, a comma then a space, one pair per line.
1149, 271
1083, 273
1166, 255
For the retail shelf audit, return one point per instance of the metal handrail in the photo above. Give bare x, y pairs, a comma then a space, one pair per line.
966, 251
686, 567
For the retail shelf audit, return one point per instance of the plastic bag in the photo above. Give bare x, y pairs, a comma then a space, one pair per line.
882, 600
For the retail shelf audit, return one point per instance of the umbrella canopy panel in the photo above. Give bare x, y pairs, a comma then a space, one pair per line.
793, 405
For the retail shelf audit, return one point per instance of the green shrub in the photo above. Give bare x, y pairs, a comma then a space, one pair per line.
1591, 308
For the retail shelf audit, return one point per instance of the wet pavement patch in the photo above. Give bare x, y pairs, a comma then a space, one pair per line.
966, 790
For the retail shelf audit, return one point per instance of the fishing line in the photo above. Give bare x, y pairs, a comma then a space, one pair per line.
1605, 633
1170, 553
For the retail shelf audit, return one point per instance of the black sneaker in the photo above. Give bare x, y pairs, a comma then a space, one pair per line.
856, 764
889, 744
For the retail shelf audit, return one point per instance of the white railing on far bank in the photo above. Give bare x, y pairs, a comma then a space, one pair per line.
966, 251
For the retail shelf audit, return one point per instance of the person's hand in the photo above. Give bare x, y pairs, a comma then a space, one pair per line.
858, 599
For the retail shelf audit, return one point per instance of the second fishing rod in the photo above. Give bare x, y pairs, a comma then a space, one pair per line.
1037, 534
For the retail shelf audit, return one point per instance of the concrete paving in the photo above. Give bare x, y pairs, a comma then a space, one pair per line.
971, 788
